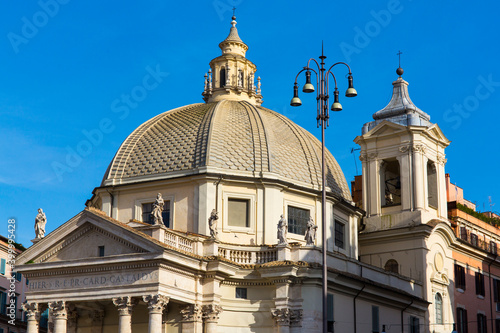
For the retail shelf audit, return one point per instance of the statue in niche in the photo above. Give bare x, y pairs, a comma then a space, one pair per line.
157, 210
310, 236
212, 224
282, 231
40, 222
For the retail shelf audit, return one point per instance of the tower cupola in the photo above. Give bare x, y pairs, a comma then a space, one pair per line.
232, 75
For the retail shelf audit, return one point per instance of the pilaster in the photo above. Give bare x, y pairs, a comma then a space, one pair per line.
211, 317
192, 319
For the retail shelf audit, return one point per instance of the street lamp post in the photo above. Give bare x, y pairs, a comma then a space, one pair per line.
322, 97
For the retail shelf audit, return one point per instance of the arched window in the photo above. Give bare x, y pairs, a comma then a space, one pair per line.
390, 183
392, 266
432, 195
438, 303
222, 77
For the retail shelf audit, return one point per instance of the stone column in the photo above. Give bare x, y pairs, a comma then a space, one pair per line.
192, 321
59, 315
124, 305
282, 318
211, 317
156, 304
33, 315
418, 172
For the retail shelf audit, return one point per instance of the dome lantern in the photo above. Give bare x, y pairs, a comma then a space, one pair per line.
232, 75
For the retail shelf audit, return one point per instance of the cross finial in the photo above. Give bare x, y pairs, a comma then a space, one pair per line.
399, 71
234, 10
399, 55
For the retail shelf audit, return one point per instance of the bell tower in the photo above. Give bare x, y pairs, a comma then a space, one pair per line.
403, 160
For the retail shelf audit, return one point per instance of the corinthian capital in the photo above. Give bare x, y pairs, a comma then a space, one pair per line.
58, 309
211, 312
281, 316
31, 309
156, 303
124, 305
191, 312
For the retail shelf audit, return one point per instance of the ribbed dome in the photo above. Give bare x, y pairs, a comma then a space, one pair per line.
227, 137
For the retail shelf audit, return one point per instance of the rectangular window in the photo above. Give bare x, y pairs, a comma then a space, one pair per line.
479, 284
238, 213
459, 277
2, 266
3, 302
414, 325
147, 208
497, 325
375, 319
473, 239
329, 307
297, 220
463, 233
493, 247
241, 293
462, 320
19, 276
101, 251
481, 323
339, 234
496, 290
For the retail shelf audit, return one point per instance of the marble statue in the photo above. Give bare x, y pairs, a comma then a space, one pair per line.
157, 210
40, 222
282, 231
310, 236
212, 223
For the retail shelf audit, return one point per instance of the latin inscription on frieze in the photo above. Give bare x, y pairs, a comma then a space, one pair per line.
93, 281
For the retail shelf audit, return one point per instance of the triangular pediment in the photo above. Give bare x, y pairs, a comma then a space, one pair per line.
89, 235
385, 128
435, 132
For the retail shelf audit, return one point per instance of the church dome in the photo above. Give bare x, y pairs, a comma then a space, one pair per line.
227, 137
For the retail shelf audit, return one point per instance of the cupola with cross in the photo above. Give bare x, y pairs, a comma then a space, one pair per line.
232, 75
403, 159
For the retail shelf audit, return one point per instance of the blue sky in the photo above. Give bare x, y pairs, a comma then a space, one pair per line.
67, 66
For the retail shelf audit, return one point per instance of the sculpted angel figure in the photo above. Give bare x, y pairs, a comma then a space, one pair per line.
212, 223
40, 222
282, 230
158, 209
310, 236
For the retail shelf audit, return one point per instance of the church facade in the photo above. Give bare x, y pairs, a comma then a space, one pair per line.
199, 225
